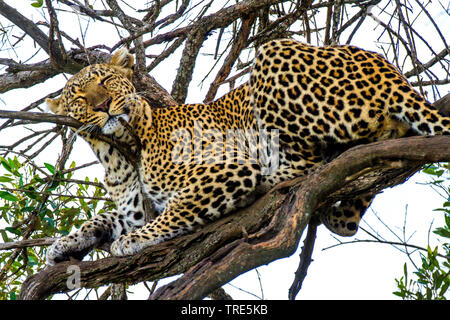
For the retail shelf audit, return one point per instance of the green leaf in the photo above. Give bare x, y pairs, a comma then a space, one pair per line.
8, 196
444, 288
50, 221
5, 179
31, 194
442, 210
38, 3
13, 230
63, 232
50, 168
32, 261
443, 232
27, 209
4, 236
405, 272
38, 179
5, 164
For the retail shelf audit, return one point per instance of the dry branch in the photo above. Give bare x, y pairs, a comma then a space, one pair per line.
191, 49
68, 121
27, 243
25, 79
217, 20
28, 26
238, 45
305, 260
41, 117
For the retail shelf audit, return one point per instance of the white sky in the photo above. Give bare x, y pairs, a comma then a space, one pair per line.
351, 271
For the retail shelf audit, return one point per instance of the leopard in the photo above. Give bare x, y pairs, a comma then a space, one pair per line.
101, 86
121, 179
199, 162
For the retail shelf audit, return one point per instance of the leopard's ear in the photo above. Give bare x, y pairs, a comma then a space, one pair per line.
123, 62
55, 106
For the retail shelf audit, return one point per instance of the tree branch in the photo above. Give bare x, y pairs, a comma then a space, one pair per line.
41, 117
422, 67
219, 19
28, 26
31, 29
191, 49
281, 237
68, 121
27, 243
305, 260
26, 79
238, 45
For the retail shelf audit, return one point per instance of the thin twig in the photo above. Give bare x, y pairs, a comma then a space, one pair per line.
393, 243
305, 260
42, 242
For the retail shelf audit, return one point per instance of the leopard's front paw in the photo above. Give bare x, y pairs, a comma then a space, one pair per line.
130, 244
123, 246
68, 247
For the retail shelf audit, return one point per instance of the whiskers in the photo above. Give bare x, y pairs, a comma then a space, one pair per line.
88, 128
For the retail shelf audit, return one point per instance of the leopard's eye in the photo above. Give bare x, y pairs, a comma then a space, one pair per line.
78, 98
104, 80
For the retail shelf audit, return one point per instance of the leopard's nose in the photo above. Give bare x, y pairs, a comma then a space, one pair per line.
104, 106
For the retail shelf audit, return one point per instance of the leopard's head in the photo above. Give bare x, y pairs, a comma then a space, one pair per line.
98, 96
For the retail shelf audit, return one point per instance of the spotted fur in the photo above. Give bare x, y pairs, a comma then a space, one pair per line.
202, 161
331, 98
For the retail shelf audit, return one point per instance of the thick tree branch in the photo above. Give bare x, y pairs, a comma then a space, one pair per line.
68, 121
28, 26
26, 79
191, 49
41, 117
280, 238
